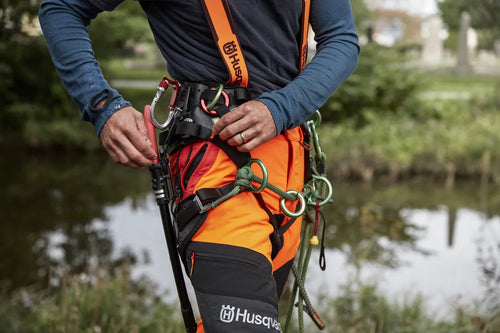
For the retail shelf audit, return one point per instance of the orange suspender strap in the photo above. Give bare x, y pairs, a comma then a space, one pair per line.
306, 5
221, 24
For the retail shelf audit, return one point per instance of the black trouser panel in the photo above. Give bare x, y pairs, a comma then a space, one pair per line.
235, 288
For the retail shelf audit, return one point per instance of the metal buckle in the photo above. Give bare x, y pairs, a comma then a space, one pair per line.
203, 208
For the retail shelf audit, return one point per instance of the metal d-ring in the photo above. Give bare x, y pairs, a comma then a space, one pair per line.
302, 203
265, 175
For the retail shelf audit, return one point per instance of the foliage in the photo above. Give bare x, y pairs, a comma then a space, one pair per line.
379, 85
363, 307
99, 300
361, 15
36, 109
30, 87
455, 139
124, 27
484, 15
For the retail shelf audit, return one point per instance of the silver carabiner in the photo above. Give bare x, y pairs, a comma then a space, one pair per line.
162, 87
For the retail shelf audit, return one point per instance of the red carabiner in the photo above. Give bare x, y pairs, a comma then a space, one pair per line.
165, 83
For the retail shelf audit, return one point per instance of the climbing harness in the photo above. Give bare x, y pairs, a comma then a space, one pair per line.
193, 109
316, 193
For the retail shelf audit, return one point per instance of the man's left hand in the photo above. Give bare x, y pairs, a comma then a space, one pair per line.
247, 126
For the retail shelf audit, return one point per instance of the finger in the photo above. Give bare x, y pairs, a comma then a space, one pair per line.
123, 152
133, 156
250, 145
242, 137
244, 123
142, 141
227, 120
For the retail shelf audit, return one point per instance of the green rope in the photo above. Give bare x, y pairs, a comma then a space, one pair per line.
315, 195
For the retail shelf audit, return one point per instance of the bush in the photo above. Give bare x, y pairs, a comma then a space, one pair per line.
379, 85
105, 300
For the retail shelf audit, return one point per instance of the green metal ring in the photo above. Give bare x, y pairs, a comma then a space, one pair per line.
265, 175
216, 97
302, 203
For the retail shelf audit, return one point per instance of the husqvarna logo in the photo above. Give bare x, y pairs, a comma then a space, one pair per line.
231, 50
230, 47
227, 314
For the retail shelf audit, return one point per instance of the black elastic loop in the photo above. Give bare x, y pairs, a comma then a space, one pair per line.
322, 257
105, 94
221, 109
241, 95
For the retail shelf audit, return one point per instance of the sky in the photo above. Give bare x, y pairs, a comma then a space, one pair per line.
419, 7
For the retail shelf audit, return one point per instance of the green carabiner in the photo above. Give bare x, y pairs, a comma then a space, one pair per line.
302, 203
216, 97
318, 119
328, 184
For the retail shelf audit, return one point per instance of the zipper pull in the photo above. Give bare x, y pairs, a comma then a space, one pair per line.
192, 264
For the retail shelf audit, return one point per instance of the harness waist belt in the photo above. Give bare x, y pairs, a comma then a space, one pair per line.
194, 121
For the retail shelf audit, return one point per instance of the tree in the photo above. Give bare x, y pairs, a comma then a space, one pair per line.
485, 17
35, 106
361, 15
125, 26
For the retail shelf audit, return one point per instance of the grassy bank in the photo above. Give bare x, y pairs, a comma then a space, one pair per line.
455, 139
103, 300
110, 301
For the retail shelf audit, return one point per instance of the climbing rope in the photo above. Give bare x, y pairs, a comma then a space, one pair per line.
318, 192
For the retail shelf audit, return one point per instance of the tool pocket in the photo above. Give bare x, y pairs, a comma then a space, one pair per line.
234, 287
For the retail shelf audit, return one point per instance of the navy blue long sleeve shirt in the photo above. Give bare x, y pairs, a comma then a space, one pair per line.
268, 31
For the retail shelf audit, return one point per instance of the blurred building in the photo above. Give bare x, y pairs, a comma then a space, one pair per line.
412, 7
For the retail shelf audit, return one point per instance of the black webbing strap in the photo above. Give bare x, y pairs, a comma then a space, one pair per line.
239, 158
195, 203
185, 128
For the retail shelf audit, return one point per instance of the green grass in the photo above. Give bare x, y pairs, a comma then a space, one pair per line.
445, 81
115, 69
103, 300
109, 300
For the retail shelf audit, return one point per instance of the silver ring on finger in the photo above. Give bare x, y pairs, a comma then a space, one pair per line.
243, 137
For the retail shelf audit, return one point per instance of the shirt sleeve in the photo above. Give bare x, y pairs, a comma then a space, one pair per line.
107, 5
335, 59
64, 23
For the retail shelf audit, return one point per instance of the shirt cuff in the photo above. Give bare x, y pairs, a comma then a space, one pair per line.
98, 117
278, 117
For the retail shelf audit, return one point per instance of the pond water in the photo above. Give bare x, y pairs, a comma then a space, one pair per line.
412, 238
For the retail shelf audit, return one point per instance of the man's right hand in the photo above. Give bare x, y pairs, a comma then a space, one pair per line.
125, 138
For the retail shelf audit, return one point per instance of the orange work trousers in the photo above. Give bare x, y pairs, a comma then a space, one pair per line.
229, 258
